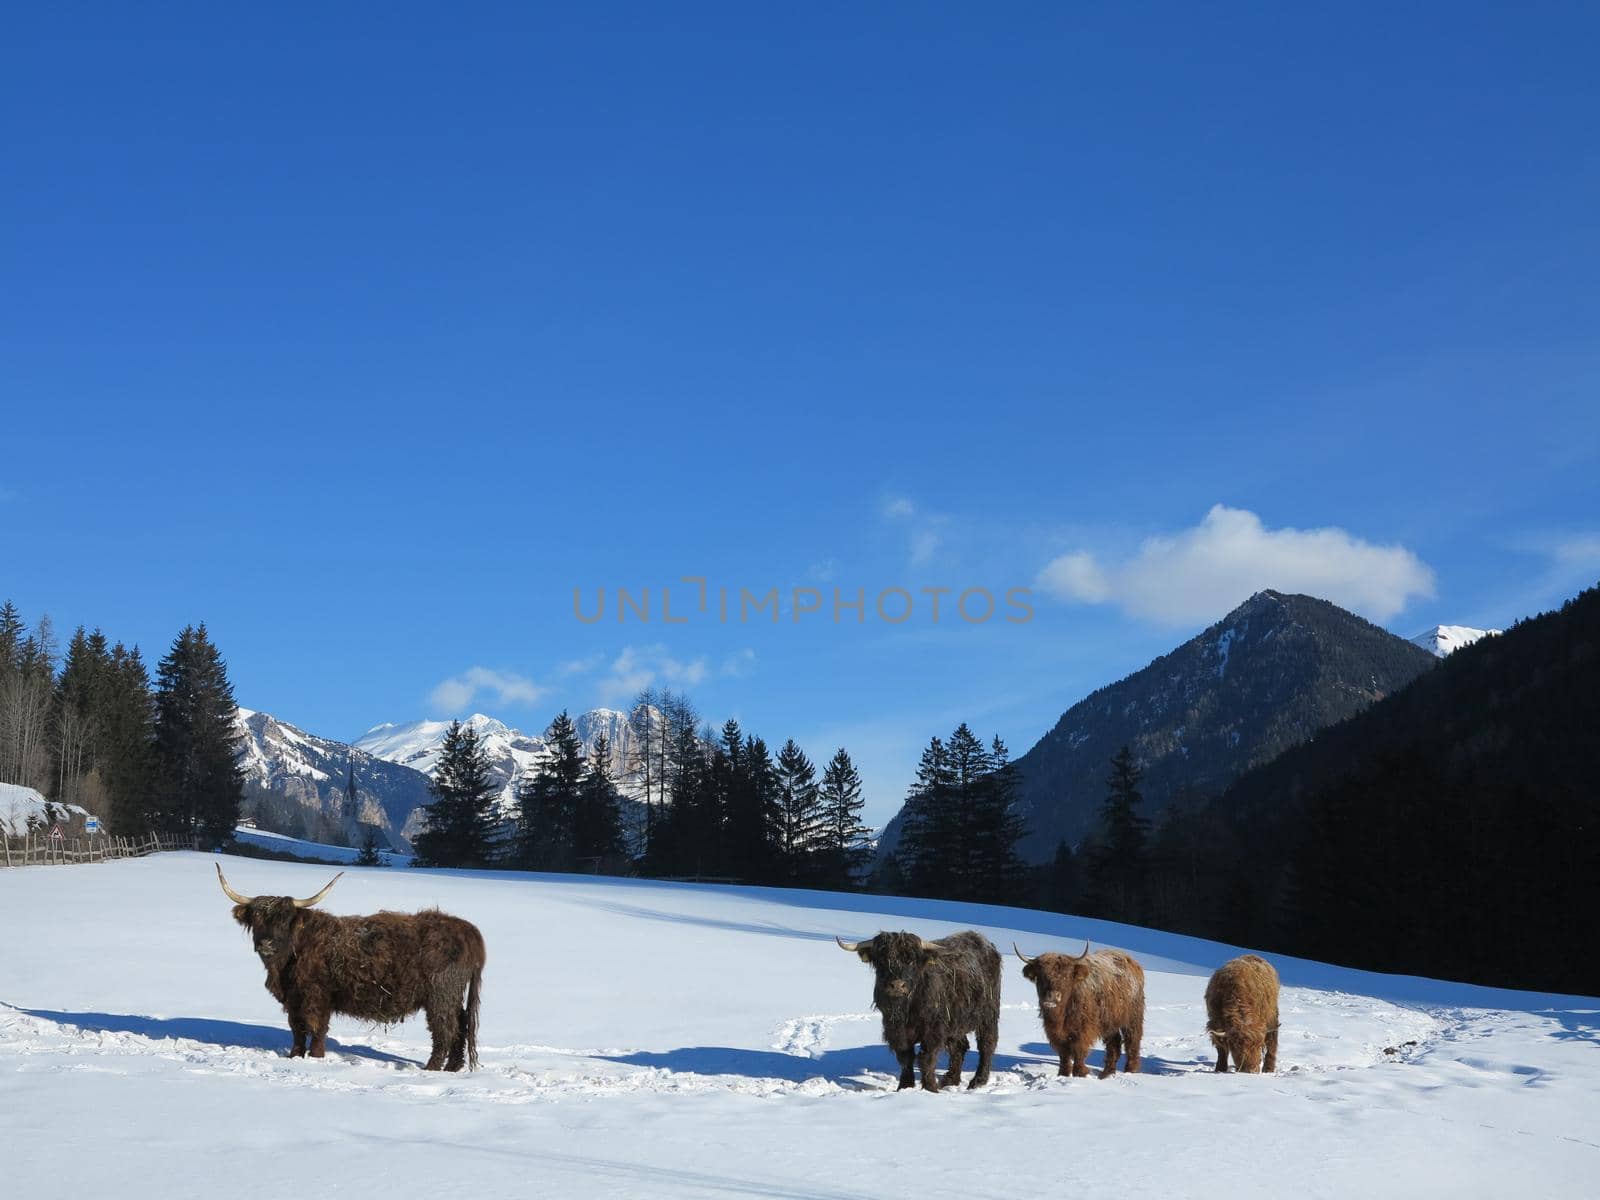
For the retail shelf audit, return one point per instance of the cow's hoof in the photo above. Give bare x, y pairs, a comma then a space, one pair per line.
977, 1082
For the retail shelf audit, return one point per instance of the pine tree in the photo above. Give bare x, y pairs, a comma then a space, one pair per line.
127, 744
196, 740
844, 841
12, 630
1118, 860
799, 811
548, 802
461, 822
930, 829
598, 828
369, 856
80, 700
995, 873
1060, 887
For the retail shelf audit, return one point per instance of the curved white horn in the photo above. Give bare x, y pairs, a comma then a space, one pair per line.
319, 895
1085, 953
931, 947
232, 895
1021, 955
844, 945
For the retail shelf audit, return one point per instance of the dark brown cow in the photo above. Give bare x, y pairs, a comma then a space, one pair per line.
379, 968
1242, 1014
1087, 999
931, 994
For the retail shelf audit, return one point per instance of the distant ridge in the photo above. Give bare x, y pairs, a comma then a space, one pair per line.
1267, 676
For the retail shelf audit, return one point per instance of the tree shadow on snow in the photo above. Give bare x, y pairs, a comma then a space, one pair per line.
1577, 1025
1150, 1064
227, 1034
836, 1066
766, 928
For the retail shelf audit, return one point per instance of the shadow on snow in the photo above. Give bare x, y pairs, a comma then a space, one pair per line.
227, 1034
841, 1067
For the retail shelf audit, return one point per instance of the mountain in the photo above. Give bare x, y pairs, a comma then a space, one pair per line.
416, 744
1451, 829
1264, 678
295, 783
1443, 640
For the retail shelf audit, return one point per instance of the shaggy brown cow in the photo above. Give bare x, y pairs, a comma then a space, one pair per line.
1242, 1014
380, 968
1087, 999
932, 993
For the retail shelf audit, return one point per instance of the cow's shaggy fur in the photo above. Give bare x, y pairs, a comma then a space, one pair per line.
379, 968
1242, 1014
931, 994
1086, 999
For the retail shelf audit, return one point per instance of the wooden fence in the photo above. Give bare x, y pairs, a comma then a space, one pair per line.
40, 849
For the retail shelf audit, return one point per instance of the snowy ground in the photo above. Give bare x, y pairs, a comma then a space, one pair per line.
645, 1039
285, 844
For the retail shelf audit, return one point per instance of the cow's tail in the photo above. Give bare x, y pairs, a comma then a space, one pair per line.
469, 1017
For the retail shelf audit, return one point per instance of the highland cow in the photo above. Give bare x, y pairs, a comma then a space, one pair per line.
1086, 999
379, 968
1242, 1014
931, 994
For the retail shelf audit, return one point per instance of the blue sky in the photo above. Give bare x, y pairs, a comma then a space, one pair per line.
368, 336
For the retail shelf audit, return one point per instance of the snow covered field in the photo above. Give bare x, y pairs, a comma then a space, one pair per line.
645, 1039
290, 845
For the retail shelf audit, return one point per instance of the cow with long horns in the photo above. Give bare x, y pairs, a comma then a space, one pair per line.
1089, 998
931, 994
379, 968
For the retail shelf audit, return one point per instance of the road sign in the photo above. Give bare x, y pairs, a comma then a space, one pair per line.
91, 825
55, 833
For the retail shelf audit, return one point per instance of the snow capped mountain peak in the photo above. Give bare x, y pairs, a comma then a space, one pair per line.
1444, 640
512, 753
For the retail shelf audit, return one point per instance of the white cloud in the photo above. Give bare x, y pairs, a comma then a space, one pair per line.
454, 695
1075, 577
580, 666
1581, 551
924, 528
638, 667
924, 543
738, 665
1200, 573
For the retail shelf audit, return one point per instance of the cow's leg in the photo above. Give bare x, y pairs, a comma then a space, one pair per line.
1132, 1037
444, 1024
297, 1029
1113, 1042
458, 1047
316, 1020
928, 1061
956, 1049
1222, 1057
908, 1058
1079, 1053
988, 1038
1270, 1063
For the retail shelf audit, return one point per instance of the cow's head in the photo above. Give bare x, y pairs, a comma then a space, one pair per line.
1056, 976
271, 920
898, 959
